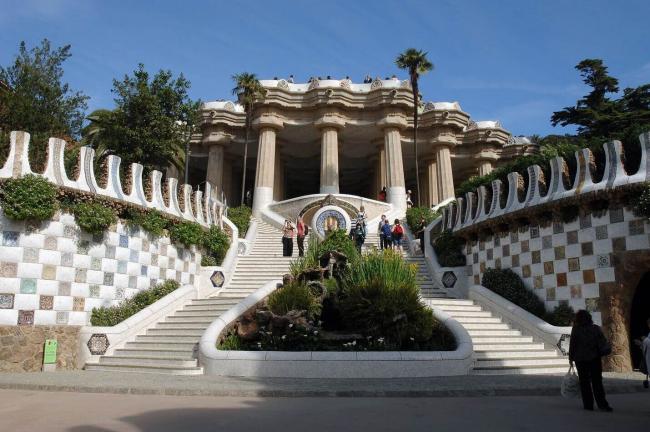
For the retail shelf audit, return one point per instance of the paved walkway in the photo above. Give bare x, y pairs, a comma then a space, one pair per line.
28, 411
460, 386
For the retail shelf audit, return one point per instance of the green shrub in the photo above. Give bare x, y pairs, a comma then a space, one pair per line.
415, 214
152, 221
309, 261
338, 241
186, 233
232, 342
641, 202
208, 261
449, 249
294, 296
93, 217
562, 315
509, 285
380, 297
241, 217
29, 198
113, 315
216, 243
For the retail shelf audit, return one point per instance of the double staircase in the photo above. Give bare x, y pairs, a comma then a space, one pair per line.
171, 346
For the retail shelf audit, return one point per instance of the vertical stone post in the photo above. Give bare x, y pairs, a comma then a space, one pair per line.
432, 182
396, 192
227, 183
329, 166
277, 180
265, 172
445, 174
382, 167
484, 167
214, 172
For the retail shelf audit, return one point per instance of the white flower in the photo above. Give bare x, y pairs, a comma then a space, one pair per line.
284, 337
412, 339
290, 325
354, 343
315, 332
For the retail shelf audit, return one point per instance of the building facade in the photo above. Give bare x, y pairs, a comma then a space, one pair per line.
334, 136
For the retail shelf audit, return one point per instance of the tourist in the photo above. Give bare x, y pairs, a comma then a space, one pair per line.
586, 347
382, 194
367, 79
409, 201
290, 79
362, 214
394, 77
329, 77
359, 233
386, 229
287, 238
398, 233
302, 231
644, 345
422, 227
380, 233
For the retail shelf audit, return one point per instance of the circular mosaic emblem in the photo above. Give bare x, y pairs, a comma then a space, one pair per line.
330, 218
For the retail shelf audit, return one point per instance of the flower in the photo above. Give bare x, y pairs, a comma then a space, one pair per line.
315, 332
354, 343
412, 339
291, 325
284, 337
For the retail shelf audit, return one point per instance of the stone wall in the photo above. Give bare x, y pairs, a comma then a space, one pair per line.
21, 347
54, 273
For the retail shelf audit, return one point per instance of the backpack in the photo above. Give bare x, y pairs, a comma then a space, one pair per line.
399, 230
306, 229
386, 230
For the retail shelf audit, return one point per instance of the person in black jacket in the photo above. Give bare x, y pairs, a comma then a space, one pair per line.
587, 346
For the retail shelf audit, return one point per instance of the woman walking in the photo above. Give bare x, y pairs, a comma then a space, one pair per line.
587, 346
287, 238
387, 234
398, 233
301, 231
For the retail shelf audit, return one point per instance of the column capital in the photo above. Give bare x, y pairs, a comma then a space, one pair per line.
330, 121
268, 121
393, 122
217, 138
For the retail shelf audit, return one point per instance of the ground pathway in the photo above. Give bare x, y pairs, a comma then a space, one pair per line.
74, 412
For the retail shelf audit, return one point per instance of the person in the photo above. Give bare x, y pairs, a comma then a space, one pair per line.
301, 231
362, 214
287, 238
409, 201
367, 79
359, 233
386, 229
380, 233
394, 77
644, 345
398, 233
290, 80
586, 347
382, 194
421, 227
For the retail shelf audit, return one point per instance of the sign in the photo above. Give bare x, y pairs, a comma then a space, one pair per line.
49, 354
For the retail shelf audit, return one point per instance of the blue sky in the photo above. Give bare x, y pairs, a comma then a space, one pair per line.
508, 60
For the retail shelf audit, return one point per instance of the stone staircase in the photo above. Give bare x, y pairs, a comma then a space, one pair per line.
500, 349
170, 347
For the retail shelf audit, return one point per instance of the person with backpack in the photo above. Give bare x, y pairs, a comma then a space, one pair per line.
387, 232
287, 238
380, 233
302, 230
359, 233
586, 347
398, 233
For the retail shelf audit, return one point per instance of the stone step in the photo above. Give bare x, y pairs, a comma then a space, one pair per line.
480, 340
481, 314
176, 332
522, 363
523, 371
208, 307
148, 361
181, 315
454, 302
163, 346
183, 324
135, 367
175, 319
502, 347
214, 301
162, 353
493, 333
514, 355
233, 295
166, 339
452, 308
486, 326
477, 320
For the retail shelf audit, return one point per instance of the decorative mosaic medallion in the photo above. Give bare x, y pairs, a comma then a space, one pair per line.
98, 344
6, 301
331, 218
217, 279
449, 279
563, 344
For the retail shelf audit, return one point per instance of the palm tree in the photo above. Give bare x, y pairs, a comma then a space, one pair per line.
248, 91
97, 133
416, 62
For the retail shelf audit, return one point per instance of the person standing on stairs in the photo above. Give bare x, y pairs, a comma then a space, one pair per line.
287, 238
359, 233
380, 233
586, 347
301, 231
398, 233
386, 229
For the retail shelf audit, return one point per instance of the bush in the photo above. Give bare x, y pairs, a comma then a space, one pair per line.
380, 297
562, 315
208, 261
241, 217
152, 221
415, 214
641, 202
216, 243
294, 296
509, 285
93, 217
29, 198
113, 315
338, 241
309, 261
449, 249
186, 233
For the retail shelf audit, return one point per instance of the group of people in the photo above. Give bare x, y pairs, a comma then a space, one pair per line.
367, 80
409, 200
289, 230
390, 236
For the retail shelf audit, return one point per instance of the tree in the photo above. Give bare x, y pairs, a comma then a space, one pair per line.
416, 62
35, 99
248, 90
150, 122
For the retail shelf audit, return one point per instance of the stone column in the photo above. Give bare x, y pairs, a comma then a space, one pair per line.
277, 179
396, 193
382, 167
329, 156
227, 183
214, 172
445, 174
432, 182
265, 172
484, 167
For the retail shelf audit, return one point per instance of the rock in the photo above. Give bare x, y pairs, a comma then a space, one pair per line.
263, 317
279, 323
313, 274
248, 330
287, 279
298, 318
317, 289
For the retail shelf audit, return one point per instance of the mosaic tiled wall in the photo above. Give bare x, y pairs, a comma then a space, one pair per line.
54, 273
563, 262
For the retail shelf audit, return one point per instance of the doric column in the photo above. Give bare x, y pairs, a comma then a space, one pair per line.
278, 183
214, 172
392, 124
329, 156
443, 140
432, 182
227, 183
382, 166
265, 172
484, 167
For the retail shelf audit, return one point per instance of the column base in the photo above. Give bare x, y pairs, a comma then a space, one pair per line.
263, 196
396, 196
329, 189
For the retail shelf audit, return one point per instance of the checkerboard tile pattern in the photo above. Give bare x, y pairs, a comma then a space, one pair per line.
567, 263
56, 274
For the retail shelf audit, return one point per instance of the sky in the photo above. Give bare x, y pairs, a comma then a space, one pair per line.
511, 61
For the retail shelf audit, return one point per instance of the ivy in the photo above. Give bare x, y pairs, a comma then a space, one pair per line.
29, 198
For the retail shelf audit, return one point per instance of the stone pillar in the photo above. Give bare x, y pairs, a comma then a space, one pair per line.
432, 182
396, 192
484, 167
277, 180
445, 174
382, 168
227, 184
329, 166
265, 172
214, 172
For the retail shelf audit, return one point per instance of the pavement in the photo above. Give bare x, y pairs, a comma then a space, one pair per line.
154, 384
25, 410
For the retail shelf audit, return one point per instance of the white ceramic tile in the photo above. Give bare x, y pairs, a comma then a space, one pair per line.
26, 301
50, 257
29, 270
8, 316
45, 317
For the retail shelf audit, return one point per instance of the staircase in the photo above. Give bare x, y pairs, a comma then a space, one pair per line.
500, 349
170, 347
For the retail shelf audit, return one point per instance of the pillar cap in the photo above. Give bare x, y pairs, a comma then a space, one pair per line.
393, 121
268, 121
217, 138
330, 121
